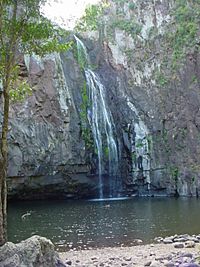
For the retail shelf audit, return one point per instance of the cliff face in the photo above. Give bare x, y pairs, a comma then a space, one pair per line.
47, 154
152, 48
146, 54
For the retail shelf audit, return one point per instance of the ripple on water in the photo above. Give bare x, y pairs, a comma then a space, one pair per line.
104, 222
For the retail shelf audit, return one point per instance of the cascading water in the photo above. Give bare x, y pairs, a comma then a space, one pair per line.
101, 122
140, 148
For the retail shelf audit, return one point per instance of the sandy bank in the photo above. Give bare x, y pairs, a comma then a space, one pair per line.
154, 255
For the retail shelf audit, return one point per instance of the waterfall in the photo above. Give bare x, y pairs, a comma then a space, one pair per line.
140, 147
101, 122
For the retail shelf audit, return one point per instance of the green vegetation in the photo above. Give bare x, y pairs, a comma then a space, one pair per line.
20, 91
85, 102
91, 20
133, 157
161, 78
82, 60
174, 172
22, 30
139, 143
106, 152
132, 6
130, 26
186, 18
180, 39
120, 1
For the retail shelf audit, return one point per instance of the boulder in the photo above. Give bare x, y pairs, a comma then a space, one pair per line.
178, 245
190, 244
33, 252
167, 240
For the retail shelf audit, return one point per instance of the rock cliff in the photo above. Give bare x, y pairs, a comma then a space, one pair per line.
146, 54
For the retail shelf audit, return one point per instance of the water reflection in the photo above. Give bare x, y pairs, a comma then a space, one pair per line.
94, 224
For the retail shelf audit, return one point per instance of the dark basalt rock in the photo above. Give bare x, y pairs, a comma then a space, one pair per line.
157, 128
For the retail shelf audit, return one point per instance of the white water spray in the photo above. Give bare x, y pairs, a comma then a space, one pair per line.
100, 120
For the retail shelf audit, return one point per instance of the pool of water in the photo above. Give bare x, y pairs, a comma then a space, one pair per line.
81, 224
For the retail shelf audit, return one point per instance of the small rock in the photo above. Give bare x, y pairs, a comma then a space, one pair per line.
178, 245
167, 241
187, 254
169, 264
190, 244
59, 263
184, 236
160, 258
155, 264
68, 262
189, 265
148, 263
152, 254
196, 240
169, 257
180, 239
186, 260
127, 259
138, 241
198, 237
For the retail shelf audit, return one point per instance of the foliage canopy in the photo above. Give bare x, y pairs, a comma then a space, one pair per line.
24, 30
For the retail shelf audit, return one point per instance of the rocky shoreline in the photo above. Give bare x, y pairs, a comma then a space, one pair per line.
173, 251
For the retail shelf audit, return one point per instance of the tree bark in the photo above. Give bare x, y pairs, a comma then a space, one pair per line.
10, 63
3, 167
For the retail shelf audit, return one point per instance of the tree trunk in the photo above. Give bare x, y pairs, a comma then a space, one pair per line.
3, 166
10, 60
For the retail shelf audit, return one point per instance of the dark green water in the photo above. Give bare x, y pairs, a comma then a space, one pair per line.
96, 224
